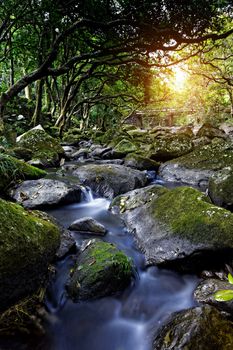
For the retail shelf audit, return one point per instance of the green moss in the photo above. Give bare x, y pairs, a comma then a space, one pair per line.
189, 214
101, 270
12, 170
125, 146
221, 186
42, 145
28, 243
141, 162
214, 156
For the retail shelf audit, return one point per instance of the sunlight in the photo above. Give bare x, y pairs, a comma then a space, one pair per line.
180, 77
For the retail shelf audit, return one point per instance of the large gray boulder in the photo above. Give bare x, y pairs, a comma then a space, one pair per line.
109, 180
101, 270
200, 328
42, 193
198, 166
179, 228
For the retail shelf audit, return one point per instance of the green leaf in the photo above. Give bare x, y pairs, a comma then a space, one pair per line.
230, 278
223, 295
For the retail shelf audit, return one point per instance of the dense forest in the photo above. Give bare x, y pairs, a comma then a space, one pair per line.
116, 174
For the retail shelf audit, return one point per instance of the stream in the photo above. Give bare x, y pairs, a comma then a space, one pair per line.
123, 322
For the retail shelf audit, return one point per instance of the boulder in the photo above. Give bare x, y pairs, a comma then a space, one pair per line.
205, 291
28, 245
202, 328
210, 131
35, 194
198, 166
136, 161
220, 188
69, 151
109, 180
88, 225
179, 228
124, 147
166, 148
44, 148
101, 270
12, 170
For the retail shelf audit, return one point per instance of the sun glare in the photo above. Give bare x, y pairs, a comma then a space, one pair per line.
179, 79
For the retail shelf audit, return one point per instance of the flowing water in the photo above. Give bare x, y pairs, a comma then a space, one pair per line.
124, 322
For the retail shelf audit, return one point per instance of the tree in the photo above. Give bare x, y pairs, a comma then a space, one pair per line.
84, 36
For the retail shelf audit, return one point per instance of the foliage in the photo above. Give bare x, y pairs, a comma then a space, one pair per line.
225, 294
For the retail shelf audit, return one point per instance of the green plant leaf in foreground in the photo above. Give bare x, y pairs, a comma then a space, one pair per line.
223, 295
230, 278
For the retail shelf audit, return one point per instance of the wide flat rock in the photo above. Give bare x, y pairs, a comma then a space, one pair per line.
110, 180
45, 193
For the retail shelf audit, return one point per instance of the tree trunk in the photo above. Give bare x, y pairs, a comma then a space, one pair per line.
39, 94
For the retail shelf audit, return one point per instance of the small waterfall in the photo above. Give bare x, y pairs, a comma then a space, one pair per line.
87, 194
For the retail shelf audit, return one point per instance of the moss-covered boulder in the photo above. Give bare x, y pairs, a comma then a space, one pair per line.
101, 269
202, 328
44, 147
198, 166
140, 162
166, 148
28, 245
220, 188
124, 147
210, 131
109, 180
21, 153
179, 228
12, 170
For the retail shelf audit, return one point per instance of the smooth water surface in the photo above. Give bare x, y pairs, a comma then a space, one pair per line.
125, 322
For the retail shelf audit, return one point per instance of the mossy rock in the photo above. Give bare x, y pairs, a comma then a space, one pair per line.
179, 229
171, 147
44, 147
101, 270
140, 133
21, 153
220, 187
28, 245
125, 146
129, 127
140, 162
198, 166
12, 170
202, 328
210, 131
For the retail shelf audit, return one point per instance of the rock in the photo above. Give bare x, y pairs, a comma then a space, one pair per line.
109, 180
21, 153
28, 245
198, 166
202, 328
38, 127
101, 270
205, 291
124, 147
44, 148
220, 188
67, 245
82, 153
208, 130
139, 162
97, 151
174, 146
69, 151
88, 225
45, 193
12, 170
178, 229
